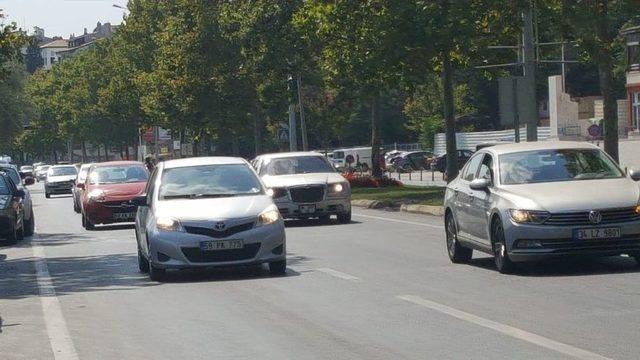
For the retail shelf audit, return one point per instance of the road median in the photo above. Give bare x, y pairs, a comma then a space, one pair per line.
416, 200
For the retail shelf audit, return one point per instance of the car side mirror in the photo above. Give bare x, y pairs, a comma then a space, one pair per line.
635, 175
480, 184
140, 200
29, 181
21, 194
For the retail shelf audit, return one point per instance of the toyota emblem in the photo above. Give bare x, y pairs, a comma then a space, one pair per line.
220, 226
595, 217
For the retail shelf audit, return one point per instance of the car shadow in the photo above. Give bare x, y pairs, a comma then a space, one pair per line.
567, 266
127, 226
61, 196
221, 274
293, 223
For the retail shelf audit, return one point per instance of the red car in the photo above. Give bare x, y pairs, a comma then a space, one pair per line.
108, 191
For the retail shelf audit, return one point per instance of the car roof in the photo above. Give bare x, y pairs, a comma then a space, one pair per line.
290, 154
61, 166
117, 163
200, 161
508, 148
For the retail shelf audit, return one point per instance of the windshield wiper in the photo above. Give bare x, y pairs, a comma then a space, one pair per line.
198, 196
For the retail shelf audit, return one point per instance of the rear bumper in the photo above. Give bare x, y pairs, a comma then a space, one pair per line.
58, 189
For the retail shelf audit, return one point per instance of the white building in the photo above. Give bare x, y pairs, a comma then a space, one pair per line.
49, 52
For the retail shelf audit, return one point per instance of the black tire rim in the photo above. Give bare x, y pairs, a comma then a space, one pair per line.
451, 236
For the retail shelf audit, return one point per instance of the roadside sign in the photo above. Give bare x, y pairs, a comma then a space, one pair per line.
594, 130
176, 145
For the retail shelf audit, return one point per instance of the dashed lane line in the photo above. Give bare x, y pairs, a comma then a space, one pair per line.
398, 221
338, 274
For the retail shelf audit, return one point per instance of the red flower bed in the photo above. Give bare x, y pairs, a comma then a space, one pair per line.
367, 181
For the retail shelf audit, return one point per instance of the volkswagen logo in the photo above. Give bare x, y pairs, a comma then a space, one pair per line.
220, 226
595, 217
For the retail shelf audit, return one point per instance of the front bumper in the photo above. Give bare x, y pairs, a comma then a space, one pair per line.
555, 241
181, 250
328, 206
103, 212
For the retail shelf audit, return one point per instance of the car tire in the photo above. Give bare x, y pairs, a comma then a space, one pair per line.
500, 254
12, 237
344, 218
20, 232
88, 225
364, 167
30, 225
324, 219
76, 208
156, 274
143, 263
458, 254
47, 195
277, 268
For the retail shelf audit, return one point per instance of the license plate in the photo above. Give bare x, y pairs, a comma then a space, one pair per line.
221, 245
597, 233
307, 209
124, 216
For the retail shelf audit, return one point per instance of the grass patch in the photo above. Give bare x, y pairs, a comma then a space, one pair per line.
431, 195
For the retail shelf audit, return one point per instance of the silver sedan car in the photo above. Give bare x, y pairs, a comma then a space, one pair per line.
205, 212
530, 201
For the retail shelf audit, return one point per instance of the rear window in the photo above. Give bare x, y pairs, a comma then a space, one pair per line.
63, 171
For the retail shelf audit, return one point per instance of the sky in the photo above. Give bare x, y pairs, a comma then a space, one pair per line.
61, 17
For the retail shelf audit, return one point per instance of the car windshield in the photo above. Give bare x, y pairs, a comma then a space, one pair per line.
297, 165
13, 174
556, 165
62, 171
209, 181
118, 175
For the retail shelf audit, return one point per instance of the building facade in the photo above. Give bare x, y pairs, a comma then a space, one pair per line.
50, 52
632, 36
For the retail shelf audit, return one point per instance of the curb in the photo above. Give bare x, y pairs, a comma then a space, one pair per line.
409, 208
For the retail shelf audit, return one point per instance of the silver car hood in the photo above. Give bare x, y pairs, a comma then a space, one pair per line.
302, 179
573, 195
54, 179
213, 209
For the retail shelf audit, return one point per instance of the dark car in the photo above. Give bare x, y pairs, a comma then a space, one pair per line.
413, 160
12, 218
21, 182
440, 163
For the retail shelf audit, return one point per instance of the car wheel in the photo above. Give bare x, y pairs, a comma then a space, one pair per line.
458, 254
344, 218
76, 208
500, 255
143, 263
12, 237
88, 225
156, 274
30, 225
47, 195
324, 219
278, 267
364, 167
20, 232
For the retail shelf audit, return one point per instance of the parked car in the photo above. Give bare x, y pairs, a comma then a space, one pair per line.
60, 180
41, 172
77, 189
108, 191
412, 161
21, 183
12, 212
531, 201
305, 185
203, 212
440, 163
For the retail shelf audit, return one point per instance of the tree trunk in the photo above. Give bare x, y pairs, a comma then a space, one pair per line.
449, 116
376, 171
84, 151
106, 152
126, 150
257, 129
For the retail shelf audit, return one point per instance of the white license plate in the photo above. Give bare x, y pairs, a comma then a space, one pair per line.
124, 216
307, 209
221, 245
597, 233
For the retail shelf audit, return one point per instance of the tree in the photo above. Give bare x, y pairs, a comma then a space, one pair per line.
33, 57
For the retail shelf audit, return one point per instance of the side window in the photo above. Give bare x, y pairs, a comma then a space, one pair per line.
486, 169
472, 167
151, 184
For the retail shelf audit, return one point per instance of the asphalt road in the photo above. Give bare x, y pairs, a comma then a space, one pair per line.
379, 288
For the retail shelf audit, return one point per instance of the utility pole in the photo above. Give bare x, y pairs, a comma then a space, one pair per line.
303, 125
516, 115
529, 106
156, 139
293, 139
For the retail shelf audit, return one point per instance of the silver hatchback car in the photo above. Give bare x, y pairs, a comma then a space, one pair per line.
530, 201
204, 212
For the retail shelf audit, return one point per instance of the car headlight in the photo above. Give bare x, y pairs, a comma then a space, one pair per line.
528, 216
638, 209
269, 216
338, 188
168, 224
96, 195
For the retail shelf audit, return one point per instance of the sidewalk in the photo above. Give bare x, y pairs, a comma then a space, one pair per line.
420, 178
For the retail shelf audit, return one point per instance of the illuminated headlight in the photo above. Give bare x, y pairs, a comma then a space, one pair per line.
96, 195
638, 209
168, 224
338, 188
269, 216
528, 216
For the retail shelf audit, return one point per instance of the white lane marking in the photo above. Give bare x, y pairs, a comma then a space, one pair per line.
59, 337
399, 221
505, 329
338, 274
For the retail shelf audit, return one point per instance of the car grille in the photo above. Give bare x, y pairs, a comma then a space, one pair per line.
195, 255
219, 234
610, 216
629, 243
307, 194
120, 206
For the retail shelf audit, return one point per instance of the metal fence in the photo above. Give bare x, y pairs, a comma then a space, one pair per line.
470, 140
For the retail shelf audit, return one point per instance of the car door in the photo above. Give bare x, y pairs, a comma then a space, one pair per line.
480, 204
463, 198
145, 212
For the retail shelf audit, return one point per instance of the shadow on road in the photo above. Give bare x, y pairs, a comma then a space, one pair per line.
567, 266
127, 226
314, 222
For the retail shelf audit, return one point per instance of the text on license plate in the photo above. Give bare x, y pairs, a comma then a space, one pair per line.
597, 233
221, 245
307, 209
124, 216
